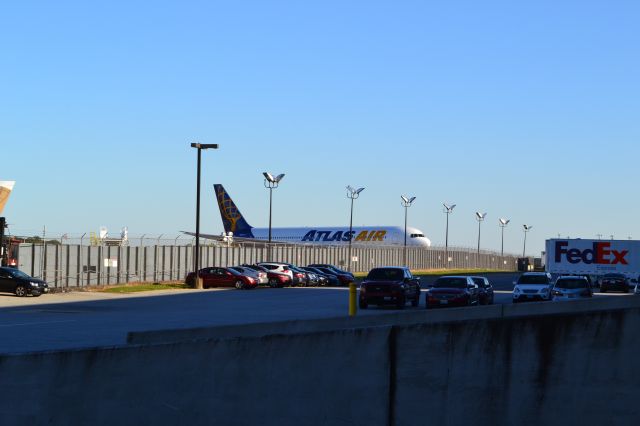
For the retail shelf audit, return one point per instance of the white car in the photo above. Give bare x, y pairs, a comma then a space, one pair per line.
532, 286
278, 267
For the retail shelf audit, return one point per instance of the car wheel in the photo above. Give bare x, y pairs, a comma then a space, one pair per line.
273, 283
362, 304
21, 291
401, 302
239, 285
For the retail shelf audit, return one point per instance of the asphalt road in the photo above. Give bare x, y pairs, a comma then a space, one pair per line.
84, 319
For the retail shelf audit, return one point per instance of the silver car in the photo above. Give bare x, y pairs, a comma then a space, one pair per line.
571, 288
260, 276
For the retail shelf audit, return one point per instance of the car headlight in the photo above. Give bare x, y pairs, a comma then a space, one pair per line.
544, 290
33, 284
516, 290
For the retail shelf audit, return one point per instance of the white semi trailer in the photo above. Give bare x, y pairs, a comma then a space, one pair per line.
593, 257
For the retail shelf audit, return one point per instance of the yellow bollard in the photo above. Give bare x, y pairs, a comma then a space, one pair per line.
352, 299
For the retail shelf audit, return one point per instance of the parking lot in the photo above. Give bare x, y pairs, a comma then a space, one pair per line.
86, 319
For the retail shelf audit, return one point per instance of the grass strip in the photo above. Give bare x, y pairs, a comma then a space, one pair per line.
143, 287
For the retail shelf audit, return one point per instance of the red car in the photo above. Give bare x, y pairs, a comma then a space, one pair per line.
453, 291
389, 286
222, 277
275, 279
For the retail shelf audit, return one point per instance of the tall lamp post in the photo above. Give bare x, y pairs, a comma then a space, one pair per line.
199, 147
271, 183
406, 203
480, 218
448, 209
503, 224
525, 228
353, 194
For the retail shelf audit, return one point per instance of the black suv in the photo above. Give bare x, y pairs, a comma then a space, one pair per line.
614, 282
15, 281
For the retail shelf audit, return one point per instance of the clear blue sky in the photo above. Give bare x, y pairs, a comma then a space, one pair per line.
526, 110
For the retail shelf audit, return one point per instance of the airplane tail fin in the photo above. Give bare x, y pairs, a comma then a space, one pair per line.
6, 186
232, 219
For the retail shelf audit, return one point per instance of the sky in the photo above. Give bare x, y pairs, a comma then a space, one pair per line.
524, 110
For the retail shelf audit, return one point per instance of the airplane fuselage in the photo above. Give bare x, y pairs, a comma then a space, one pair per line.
332, 235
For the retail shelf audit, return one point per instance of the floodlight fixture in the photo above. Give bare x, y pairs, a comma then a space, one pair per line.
448, 209
406, 203
199, 147
271, 183
352, 194
479, 217
503, 223
525, 228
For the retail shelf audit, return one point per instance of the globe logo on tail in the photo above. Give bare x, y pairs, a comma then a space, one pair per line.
228, 209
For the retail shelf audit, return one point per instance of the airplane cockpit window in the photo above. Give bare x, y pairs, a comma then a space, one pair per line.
417, 235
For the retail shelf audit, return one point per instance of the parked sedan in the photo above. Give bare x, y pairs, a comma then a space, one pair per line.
323, 278
334, 269
571, 288
389, 285
453, 291
532, 286
486, 290
343, 279
300, 277
222, 277
614, 282
274, 279
259, 276
15, 281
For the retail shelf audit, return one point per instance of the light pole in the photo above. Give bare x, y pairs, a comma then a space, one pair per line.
525, 228
479, 217
448, 209
352, 194
406, 203
503, 224
271, 183
199, 147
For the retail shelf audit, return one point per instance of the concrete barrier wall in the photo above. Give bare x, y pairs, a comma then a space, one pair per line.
544, 363
312, 379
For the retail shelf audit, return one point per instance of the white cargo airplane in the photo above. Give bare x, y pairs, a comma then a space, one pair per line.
371, 236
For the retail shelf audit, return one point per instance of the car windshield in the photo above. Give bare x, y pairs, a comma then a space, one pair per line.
571, 283
446, 282
234, 271
478, 281
385, 274
16, 273
533, 279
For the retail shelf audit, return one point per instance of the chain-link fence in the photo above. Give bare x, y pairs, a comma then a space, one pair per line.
75, 265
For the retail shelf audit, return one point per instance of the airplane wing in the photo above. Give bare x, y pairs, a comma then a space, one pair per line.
220, 237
